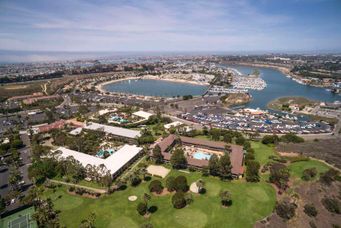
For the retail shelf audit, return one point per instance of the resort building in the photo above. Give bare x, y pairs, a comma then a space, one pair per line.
173, 124
142, 114
55, 125
115, 163
117, 132
199, 151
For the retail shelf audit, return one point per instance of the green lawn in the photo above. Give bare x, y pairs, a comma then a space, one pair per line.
297, 168
251, 202
262, 152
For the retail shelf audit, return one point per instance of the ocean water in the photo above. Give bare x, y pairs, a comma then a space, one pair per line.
278, 85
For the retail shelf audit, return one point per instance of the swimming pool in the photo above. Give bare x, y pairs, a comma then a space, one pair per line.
101, 152
201, 156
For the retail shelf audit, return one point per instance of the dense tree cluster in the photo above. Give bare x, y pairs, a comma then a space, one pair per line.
157, 155
252, 171
178, 159
220, 166
146, 137
87, 142
179, 184
44, 214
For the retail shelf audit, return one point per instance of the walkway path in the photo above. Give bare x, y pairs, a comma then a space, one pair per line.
102, 191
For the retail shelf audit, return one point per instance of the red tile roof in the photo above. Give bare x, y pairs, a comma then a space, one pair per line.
56, 125
236, 154
166, 142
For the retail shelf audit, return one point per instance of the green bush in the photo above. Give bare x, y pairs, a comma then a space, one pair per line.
309, 174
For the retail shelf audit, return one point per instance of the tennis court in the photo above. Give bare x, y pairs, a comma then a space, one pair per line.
21, 219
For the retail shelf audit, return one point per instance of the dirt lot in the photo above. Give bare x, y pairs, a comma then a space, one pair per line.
328, 150
19, 89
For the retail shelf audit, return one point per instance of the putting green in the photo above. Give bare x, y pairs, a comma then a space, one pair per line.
257, 194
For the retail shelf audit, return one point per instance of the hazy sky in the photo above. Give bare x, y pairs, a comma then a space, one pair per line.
174, 25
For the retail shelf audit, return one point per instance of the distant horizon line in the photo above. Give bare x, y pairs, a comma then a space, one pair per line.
321, 51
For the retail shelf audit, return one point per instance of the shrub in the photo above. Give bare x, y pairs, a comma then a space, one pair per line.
308, 174
329, 176
178, 200
279, 175
155, 186
279, 159
285, 210
310, 210
71, 189
191, 169
298, 158
331, 205
80, 191
142, 208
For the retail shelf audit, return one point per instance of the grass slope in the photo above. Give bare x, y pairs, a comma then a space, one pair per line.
262, 152
251, 202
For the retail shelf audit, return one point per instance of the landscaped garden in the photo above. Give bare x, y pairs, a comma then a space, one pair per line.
251, 201
205, 198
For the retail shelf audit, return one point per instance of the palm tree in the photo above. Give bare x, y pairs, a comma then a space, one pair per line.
146, 198
143, 172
